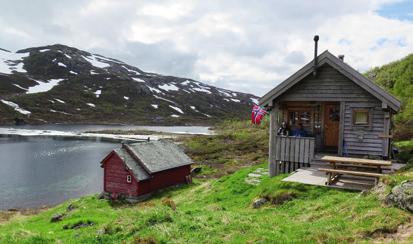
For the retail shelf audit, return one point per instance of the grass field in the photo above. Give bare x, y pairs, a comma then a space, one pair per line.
216, 211
219, 210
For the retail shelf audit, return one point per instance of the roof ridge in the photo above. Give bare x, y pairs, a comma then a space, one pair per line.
132, 153
342, 67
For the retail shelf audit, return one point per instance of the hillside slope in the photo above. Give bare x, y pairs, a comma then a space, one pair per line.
216, 211
58, 83
397, 78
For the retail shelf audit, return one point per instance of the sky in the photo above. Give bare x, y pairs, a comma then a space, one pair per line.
242, 45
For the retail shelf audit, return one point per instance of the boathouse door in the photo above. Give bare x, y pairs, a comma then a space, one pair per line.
331, 125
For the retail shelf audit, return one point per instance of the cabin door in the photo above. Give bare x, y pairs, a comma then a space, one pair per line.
331, 124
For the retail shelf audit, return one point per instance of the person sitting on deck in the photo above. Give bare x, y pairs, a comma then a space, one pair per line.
283, 130
299, 132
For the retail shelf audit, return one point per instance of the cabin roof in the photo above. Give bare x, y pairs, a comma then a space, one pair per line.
137, 170
327, 58
146, 158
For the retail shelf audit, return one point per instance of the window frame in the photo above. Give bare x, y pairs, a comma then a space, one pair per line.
129, 179
358, 110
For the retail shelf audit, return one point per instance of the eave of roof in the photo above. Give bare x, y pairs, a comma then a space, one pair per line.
340, 66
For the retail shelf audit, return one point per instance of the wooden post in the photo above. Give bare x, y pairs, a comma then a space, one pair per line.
272, 167
386, 142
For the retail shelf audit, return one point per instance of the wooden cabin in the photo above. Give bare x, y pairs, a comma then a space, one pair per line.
341, 111
136, 170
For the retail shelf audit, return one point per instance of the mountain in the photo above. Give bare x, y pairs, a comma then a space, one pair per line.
63, 84
397, 78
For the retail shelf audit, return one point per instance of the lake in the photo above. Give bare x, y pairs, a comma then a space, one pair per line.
37, 171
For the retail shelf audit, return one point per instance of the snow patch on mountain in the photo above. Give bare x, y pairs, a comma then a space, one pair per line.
176, 109
131, 70
96, 61
10, 62
156, 106
91, 105
97, 93
137, 79
202, 90
60, 112
254, 100
20, 87
167, 100
155, 90
60, 101
16, 107
62, 64
43, 86
169, 87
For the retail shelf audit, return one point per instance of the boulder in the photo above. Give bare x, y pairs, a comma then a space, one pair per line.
402, 196
259, 202
57, 218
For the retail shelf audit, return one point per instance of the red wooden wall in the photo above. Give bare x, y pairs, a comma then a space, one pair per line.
115, 174
164, 179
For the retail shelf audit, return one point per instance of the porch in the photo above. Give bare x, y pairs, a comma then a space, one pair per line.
312, 176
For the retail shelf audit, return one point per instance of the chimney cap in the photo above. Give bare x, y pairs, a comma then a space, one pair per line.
341, 57
316, 38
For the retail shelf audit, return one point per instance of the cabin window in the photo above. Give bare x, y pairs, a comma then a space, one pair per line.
129, 179
361, 117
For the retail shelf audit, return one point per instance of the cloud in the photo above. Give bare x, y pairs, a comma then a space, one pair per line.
248, 46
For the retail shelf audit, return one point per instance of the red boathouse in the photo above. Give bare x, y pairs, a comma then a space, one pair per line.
136, 170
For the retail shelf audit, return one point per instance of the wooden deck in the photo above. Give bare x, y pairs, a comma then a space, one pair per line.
312, 176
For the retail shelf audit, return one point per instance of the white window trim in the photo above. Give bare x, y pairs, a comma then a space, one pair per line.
129, 179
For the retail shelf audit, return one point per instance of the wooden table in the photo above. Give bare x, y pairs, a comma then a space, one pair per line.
340, 165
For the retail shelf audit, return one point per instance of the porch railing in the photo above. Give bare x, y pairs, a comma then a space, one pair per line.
292, 153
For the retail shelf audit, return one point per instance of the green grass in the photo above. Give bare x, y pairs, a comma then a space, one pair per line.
217, 211
236, 144
406, 151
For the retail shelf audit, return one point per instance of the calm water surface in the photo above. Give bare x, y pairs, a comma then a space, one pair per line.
43, 171
83, 128
37, 171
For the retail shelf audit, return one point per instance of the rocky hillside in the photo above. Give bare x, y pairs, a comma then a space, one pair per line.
58, 83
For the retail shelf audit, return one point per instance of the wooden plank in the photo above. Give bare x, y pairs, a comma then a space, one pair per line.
292, 149
301, 159
272, 142
306, 150
351, 172
287, 148
341, 129
356, 160
312, 145
282, 156
386, 130
297, 151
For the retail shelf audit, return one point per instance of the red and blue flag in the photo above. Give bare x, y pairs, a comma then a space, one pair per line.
257, 114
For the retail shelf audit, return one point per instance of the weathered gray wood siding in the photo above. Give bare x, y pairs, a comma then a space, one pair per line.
331, 85
328, 85
364, 140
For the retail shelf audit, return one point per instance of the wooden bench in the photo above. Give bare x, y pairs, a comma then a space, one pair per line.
333, 174
356, 162
343, 165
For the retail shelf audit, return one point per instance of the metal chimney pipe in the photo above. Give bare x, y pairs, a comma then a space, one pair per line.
316, 38
341, 57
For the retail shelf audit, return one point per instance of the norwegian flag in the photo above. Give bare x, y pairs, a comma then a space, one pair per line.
257, 114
